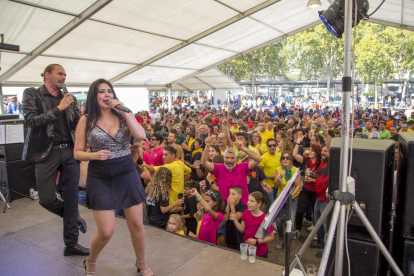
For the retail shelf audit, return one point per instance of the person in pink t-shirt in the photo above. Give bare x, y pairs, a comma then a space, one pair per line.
251, 220
214, 209
230, 173
156, 152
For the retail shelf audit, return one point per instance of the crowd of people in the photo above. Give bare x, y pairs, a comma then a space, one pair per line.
208, 173
264, 145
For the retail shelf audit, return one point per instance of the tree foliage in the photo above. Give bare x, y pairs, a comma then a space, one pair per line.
381, 52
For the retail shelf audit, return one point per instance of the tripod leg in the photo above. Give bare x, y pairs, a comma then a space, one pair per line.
7, 194
340, 233
313, 233
329, 239
377, 239
2, 198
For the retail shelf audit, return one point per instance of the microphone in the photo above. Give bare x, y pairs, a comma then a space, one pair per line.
120, 107
65, 90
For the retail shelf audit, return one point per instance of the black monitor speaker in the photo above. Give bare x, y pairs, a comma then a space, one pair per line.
373, 170
365, 259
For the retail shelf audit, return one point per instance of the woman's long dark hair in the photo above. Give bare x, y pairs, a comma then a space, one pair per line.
92, 109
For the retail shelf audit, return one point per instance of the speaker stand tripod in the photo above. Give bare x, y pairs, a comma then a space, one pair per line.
6, 198
341, 199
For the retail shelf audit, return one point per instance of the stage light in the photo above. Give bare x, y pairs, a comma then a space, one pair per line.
314, 4
333, 17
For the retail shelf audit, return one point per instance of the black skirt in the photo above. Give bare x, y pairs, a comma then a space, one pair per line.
113, 184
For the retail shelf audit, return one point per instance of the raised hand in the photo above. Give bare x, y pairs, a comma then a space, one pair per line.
239, 145
194, 192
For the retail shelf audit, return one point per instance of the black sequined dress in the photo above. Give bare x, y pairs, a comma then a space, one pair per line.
113, 183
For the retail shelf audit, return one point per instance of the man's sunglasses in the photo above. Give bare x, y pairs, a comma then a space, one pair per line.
220, 138
286, 158
154, 139
272, 145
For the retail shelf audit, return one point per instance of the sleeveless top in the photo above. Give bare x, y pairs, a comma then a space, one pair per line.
118, 145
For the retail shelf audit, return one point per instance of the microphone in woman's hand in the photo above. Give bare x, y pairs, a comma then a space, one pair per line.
120, 107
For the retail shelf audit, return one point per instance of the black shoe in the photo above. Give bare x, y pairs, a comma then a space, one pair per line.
76, 250
319, 254
315, 245
82, 225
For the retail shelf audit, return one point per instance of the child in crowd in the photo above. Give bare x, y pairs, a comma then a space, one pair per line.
158, 194
251, 220
176, 224
234, 206
190, 207
213, 207
199, 217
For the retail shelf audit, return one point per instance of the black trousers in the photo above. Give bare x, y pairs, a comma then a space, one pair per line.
61, 160
305, 197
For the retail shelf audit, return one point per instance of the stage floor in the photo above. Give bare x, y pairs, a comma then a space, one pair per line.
31, 243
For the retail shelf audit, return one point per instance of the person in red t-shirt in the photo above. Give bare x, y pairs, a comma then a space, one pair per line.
250, 122
308, 194
251, 220
321, 185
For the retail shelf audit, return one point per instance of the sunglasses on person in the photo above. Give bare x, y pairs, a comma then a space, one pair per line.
286, 158
403, 126
209, 193
271, 145
220, 138
154, 139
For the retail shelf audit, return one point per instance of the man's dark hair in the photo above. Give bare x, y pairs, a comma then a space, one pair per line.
171, 150
158, 137
174, 132
296, 130
134, 149
190, 184
270, 140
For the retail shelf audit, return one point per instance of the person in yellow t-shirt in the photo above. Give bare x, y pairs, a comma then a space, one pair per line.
284, 174
270, 161
179, 172
244, 138
258, 143
264, 133
235, 127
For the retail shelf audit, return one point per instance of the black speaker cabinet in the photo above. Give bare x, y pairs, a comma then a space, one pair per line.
405, 185
408, 261
372, 169
15, 174
365, 257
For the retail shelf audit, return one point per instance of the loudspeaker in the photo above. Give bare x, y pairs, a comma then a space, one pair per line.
365, 259
17, 176
405, 186
408, 261
373, 171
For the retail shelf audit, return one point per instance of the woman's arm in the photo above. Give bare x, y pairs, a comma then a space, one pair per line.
134, 127
296, 154
145, 174
205, 204
170, 207
297, 185
239, 226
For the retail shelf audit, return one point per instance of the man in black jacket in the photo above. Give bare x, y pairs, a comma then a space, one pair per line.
51, 117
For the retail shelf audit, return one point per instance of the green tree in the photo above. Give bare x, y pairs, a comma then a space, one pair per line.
266, 63
319, 54
372, 61
399, 46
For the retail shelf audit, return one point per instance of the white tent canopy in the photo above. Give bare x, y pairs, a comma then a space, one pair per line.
147, 43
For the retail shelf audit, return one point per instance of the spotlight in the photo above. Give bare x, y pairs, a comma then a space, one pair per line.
314, 4
333, 17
